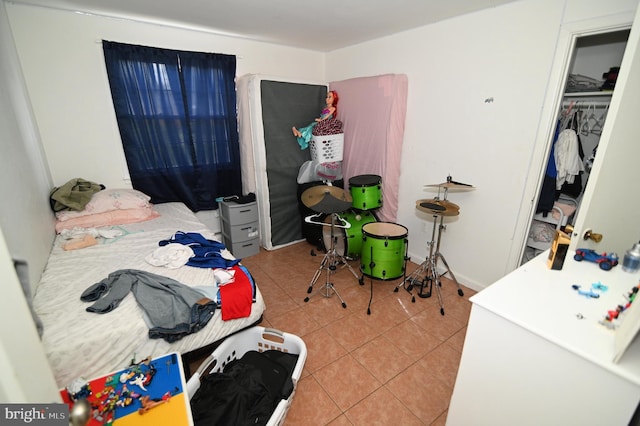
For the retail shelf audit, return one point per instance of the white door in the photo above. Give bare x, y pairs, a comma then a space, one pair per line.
611, 201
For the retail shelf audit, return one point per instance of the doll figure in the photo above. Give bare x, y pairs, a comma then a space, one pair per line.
330, 111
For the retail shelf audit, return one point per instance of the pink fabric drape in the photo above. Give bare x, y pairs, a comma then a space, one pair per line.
373, 111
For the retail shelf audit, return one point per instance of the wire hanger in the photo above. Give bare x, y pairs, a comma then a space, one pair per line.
585, 127
566, 116
599, 124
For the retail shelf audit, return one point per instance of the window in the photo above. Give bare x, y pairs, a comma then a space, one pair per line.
176, 113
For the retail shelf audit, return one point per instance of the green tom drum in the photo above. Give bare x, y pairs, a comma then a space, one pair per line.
366, 192
384, 246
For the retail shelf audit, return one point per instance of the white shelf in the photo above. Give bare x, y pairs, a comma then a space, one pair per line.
587, 94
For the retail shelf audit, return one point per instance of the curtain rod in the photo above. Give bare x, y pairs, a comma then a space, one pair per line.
230, 54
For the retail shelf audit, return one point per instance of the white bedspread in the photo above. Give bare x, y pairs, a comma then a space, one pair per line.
83, 344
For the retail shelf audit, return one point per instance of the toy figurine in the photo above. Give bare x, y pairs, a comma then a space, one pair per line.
139, 380
126, 376
330, 111
614, 314
148, 403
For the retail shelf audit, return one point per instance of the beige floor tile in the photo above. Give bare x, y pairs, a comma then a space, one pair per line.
342, 421
311, 405
346, 381
322, 349
440, 326
442, 362
278, 302
352, 331
296, 321
421, 392
412, 339
369, 412
384, 314
394, 366
457, 340
324, 309
383, 359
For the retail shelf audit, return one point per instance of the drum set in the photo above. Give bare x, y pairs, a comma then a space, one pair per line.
427, 274
352, 232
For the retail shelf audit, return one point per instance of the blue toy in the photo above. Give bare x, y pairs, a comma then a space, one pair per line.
604, 260
587, 293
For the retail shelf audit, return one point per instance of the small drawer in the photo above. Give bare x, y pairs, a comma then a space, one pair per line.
240, 232
242, 249
239, 214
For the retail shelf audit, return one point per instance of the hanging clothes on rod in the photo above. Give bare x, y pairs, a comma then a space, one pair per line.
591, 115
573, 187
566, 164
567, 156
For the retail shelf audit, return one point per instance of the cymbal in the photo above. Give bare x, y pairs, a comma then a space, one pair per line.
438, 207
450, 185
327, 199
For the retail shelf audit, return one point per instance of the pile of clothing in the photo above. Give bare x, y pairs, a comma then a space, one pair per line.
246, 392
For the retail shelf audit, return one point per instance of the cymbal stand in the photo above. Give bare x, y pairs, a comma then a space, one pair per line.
330, 261
426, 274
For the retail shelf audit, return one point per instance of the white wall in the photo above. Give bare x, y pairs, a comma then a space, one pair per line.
26, 233
61, 55
477, 85
25, 216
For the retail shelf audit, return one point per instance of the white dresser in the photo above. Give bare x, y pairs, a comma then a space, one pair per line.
535, 354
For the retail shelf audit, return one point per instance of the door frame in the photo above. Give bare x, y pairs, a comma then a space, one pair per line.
565, 47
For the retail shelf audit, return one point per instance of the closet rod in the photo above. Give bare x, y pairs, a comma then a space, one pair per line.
583, 104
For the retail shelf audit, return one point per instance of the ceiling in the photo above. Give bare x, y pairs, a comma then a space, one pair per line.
319, 25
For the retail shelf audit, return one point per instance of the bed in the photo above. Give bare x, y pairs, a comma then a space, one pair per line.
84, 344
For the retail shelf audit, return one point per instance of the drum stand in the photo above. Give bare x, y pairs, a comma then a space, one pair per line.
330, 262
426, 274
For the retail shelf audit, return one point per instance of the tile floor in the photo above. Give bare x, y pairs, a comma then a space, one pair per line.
396, 366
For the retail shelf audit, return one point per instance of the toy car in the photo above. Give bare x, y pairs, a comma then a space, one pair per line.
604, 260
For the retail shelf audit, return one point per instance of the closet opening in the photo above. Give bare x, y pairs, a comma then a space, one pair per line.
588, 88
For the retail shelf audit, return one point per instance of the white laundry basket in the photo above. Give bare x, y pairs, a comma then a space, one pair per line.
254, 339
327, 148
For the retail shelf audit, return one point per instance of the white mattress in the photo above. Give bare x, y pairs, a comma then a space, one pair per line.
83, 344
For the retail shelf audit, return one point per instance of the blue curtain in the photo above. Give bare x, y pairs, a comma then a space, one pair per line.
176, 112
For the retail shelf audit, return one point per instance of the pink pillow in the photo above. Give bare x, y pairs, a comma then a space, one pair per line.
113, 217
108, 200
